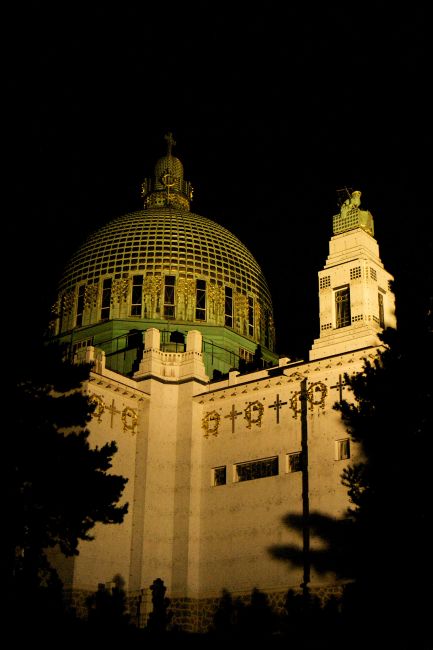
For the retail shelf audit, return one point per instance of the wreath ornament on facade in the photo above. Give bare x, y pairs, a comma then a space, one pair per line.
129, 419
99, 406
254, 414
210, 423
312, 397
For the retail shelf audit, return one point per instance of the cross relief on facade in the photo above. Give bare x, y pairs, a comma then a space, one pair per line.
277, 405
233, 415
340, 386
128, 415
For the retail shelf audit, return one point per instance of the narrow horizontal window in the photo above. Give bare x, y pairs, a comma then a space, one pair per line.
256, 469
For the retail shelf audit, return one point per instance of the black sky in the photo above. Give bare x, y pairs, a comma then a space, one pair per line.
273, 109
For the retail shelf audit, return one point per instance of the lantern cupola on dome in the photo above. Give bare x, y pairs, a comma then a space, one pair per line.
167, 187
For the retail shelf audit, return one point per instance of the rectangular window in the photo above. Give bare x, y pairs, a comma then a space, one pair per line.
294, 462
219, 476
381, 310
250, 316
342, 307
81, 344
355, 273
137, 295
228, 307
256, 469
200, 300
246, 355
80, 305
342, 449
169, 295
106, 299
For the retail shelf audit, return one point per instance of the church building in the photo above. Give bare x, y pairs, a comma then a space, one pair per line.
219, 437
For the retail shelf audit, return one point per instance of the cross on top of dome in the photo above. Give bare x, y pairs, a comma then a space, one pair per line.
170, 142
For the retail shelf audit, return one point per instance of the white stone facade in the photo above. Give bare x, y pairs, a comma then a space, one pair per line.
173, 429
215, 468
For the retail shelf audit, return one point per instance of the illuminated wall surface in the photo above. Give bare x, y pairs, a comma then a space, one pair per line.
213, 467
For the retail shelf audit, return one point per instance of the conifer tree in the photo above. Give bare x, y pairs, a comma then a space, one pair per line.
57, 485
388, 486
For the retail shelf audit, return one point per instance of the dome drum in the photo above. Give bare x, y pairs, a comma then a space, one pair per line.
168, 298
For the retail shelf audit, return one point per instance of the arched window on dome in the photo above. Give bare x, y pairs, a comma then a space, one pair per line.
137, 295
80, 305
200, 300
228, 307
267, 328
169, 296
106, 298
250, 316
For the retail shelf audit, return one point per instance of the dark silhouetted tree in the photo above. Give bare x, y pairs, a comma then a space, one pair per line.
391, 420
58, 486
383, 543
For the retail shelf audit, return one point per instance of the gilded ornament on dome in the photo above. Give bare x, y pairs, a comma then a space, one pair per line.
168, 180
216, 295
240, 305
152, 285
119, 292
145, 187
186, 287
91, 295
55, 309
68, 300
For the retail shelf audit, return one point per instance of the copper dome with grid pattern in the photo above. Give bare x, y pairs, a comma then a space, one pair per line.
166, 239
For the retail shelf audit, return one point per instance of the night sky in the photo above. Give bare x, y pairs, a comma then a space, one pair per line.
273, 107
